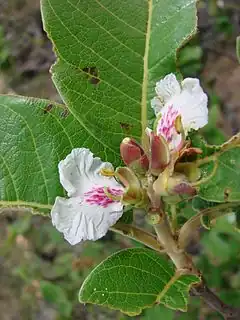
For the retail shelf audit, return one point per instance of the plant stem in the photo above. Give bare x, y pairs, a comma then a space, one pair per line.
183, 261
180, 258
209, 297
137, 234
173, 218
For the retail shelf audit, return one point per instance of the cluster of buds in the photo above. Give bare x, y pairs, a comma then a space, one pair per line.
160, 164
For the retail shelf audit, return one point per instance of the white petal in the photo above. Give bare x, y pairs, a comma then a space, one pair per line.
79, 221
80, 171
168, 87
157, 105
192, 105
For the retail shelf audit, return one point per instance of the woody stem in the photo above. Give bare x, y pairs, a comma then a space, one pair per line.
183, 261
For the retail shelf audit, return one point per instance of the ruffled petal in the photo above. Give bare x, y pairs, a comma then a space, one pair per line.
193, 105
157, 105
79, 221
167, 88
188, 101
80, 172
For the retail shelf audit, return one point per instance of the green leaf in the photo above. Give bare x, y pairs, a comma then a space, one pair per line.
134, 279
34, 137
197, 141
127, 216
201, 204
110, 55
221, 174
157, 313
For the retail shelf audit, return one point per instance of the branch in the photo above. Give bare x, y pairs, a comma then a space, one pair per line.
229, 313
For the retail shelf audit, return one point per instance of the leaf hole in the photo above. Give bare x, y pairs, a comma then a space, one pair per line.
64, 113
227, 192
126, 127
92, 74
48, 108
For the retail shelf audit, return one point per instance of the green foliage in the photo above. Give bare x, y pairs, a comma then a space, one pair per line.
109, 58
99, 113
219, 169
221, 177
201, 204
127, 216
158, 312
238, 48
189, 60
33, 141
221, 254
101, 72
56, 295
224, 25
134, 279
213, 134
4, 51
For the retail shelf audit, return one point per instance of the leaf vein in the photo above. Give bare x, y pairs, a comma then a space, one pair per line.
101, 27
89, 48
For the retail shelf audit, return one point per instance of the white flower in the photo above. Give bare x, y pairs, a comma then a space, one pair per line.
92, 206
173, 99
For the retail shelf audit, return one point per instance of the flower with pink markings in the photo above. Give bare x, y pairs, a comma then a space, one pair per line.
185, 99
100, 196
94, 202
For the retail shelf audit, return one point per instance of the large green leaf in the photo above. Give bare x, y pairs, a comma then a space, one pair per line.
221, 173
33, 139
110, 55
134, 279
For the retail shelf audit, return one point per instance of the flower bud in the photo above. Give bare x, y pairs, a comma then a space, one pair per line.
133, 194
177, 184
160, 154
133, 155
127, 177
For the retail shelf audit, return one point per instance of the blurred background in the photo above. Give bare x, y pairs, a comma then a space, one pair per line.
40, 274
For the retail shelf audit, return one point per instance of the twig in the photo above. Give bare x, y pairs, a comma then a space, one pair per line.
229, 313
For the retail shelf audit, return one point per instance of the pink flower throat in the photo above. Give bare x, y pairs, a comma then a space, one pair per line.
166, 125
98, 196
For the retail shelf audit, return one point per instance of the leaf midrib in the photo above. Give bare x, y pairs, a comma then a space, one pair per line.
145, 76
